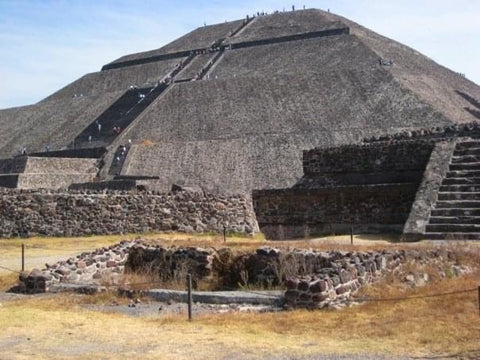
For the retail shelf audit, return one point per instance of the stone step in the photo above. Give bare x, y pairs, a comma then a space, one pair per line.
464, 166
454, 220
136, 177
468, 151
455, 212
90, 153
463, 173
460, 188
465, 159
467, 145
217, 297
448, 228
451, 236
459, 195
457, 204
461, 181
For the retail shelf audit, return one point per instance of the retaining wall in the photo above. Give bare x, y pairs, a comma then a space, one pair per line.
294, 213
368, 158
13, 166
368, 187
26, 172
24, 213
51, 165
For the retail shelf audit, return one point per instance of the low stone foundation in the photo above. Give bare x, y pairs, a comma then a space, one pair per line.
312, 279
340, 280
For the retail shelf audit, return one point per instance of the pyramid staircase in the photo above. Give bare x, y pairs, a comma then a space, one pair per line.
456, 214
122, 113
119, 159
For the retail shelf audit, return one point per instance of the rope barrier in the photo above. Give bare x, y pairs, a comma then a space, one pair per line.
11, 270
418, 296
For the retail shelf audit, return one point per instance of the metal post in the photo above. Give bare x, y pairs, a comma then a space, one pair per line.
189, 295
479, 300
23, 257
224, 233
351, 235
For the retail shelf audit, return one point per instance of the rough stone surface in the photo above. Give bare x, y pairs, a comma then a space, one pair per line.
46, 172
299, 213
370, 187
29, 213
471, 129
335, 284
368, 158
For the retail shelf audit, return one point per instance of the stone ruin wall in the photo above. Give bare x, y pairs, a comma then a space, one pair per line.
59, 165
347, 272
51, 213
368, 187
311, 279
13, 165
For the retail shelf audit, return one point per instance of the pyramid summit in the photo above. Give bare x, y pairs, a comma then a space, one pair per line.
230, 107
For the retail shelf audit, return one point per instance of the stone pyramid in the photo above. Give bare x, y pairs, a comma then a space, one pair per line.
230, 107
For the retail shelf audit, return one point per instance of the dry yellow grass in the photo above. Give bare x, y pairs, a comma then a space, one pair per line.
59, 328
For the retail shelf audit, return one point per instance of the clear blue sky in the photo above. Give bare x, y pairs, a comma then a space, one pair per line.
46, 44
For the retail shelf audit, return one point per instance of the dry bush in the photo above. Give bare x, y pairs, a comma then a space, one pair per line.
157, 275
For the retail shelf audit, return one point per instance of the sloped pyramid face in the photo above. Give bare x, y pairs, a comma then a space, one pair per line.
230, 107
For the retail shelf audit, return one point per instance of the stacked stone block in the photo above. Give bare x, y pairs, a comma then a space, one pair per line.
171, 264
50, 213
27, 172
370, 187
347, 273
84, 272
